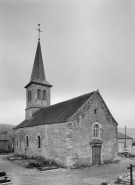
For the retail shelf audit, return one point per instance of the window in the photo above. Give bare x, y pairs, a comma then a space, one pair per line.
17, 142
39, 94
27, 141
38, 141
96, 130
95, 111
44, 95
29, 95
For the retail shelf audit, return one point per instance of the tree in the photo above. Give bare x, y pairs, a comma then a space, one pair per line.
5, 134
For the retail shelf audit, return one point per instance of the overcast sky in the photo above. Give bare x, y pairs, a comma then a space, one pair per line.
86, 45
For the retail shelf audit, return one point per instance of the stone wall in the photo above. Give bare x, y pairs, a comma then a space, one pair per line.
35, 104
69, 143
80, 132
53, 138
32, 133
57, 147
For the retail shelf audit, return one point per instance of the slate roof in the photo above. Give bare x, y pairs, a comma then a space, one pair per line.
38, 72
57, 113
38, 67
45, 83
122, 136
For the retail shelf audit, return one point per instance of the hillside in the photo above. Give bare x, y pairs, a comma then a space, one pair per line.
129, 131
6, 127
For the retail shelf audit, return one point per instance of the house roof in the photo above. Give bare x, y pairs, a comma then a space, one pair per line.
57, 113
122, 136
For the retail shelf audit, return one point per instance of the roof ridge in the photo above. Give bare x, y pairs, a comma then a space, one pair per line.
107, 107
92, 94
70, 99
43, 108
56, 113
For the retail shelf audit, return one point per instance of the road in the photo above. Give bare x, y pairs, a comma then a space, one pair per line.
87, 176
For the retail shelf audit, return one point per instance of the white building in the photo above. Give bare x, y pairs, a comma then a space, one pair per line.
121, 142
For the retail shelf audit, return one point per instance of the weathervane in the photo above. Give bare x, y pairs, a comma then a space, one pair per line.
39, 31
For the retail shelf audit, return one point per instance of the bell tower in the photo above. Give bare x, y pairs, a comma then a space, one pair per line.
38, 89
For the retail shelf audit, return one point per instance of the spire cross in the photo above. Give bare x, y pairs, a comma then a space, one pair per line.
39, 31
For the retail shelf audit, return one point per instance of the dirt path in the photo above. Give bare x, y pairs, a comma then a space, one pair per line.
87, 176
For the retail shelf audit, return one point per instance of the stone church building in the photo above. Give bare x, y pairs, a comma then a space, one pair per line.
79, 131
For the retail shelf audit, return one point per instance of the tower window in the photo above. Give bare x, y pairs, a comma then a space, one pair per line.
29, 95
38, 142
27, 141
17, 143
39, 94
95, 111
44, 95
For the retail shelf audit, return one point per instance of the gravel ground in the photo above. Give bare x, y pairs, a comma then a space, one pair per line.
93, 175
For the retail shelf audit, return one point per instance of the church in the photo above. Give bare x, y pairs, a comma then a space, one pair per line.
77, 132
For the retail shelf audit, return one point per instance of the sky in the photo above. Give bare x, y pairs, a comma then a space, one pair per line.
86, 45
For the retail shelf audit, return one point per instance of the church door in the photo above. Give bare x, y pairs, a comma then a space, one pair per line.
96, 155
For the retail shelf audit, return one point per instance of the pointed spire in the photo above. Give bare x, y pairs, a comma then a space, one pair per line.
38, 73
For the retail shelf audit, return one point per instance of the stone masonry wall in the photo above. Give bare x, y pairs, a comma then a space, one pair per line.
35, 104
69, 143
32, 133
80, 133
53, 139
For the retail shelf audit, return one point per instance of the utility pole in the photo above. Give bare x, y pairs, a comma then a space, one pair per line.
131, 173
125, 137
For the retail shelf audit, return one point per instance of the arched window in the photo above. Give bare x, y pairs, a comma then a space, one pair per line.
39, 94
44, 95
38, 141
27, 141
96, 131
